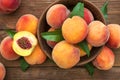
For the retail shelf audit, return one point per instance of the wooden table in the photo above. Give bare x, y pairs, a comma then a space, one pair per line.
48, 70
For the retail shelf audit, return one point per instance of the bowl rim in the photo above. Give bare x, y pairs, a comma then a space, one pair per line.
39, 38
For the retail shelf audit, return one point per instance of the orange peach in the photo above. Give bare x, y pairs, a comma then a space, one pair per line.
27, 22
2, 71
98, 34
74, 29
65, 55
51, 43
105, 60
6, 49
88, 16
36, 57
56, 15
8, 6
114, 40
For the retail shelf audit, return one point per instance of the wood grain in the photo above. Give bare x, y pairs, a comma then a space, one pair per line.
48, 70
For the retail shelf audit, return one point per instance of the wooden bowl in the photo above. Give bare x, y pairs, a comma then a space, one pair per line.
43, 27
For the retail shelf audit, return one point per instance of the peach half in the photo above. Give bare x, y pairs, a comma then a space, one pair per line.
24, 43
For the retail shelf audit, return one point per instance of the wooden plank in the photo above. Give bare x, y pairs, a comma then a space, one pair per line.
54, 73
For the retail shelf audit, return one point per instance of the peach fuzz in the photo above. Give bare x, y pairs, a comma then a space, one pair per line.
105, 60
27, 22
2, 71
74, 29
51, 43
88, 16
56, 15
36, 57
65, 55
6, 49
114, 40
98, 34
8, 6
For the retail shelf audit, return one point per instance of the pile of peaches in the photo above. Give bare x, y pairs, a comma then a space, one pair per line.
66, 53
75, 29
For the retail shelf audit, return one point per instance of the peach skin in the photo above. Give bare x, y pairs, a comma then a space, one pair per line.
27, 22
74, 29
105, 60
56, 15
98, 34
6, 49
36, 57
65, 55
2, 71
114, 40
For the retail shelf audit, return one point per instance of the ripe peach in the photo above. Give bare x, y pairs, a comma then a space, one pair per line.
105, 60
36, 57
27, 22
74, 29
6, 49
65, 55
56, 15
114, 40
98, 34
2, 71
88, 16
51, 43
24, 43
8, 6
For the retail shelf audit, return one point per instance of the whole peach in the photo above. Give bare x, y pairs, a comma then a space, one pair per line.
114, 39
6, 49
36, 57
88, 16
98, 33
56, 15
74, 29
27, 22
8, 6
65, 55
2, 71
105, 60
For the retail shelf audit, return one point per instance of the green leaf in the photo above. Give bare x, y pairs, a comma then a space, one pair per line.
10, 32
53, 35
104, 9
23, 64
90, 68
84, 46
78, 10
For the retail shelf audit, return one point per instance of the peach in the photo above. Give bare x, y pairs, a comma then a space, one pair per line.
51, 43
2, 71
105, 60
36, 57
8, 6
56, 15
65, 55
6, 49
74, 29
88, 16
98, 34
114, 40
24, 43
27, 22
